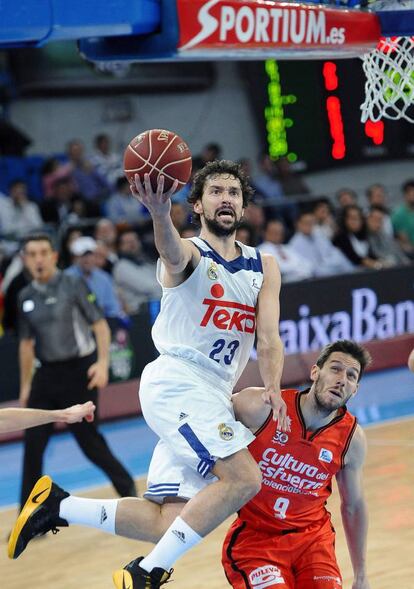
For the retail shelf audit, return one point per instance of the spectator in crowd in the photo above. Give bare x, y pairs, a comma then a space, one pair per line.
70, 234
179, 215
53, 170
134, 276
91, 185
98, 281
377, 197
18, 215
254, 216
101, 257
270, 192
291, 182
292, 266
246, 166
209, 153
325, 259
189, 231
106, 162
345, 197
13, 142
266, 183
352, 238
181, 195
324, 219
58, 209
385, 248
4, 205
403, 219
121, 207
106, 232
246, 234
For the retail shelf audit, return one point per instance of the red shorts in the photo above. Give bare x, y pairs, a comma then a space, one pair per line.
296, 560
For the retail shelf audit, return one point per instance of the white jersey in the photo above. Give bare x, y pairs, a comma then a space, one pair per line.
210, 318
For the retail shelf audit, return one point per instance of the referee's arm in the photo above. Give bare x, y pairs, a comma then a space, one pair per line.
98, 372
26, 360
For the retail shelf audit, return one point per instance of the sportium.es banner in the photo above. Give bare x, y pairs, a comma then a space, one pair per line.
363, 307
249, 28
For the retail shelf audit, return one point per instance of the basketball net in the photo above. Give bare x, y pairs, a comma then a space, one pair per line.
389, 71
389, 86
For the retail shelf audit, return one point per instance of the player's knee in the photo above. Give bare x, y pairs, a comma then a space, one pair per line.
256, 483
250, 484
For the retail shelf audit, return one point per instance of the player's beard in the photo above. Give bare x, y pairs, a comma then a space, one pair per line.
327, 405
220, 230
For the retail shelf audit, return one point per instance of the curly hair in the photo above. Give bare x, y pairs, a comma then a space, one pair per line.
359, 353
225, 167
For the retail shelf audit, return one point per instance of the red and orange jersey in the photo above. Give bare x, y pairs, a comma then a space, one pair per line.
297, 468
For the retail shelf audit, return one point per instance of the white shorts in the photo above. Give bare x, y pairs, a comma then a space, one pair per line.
191, 411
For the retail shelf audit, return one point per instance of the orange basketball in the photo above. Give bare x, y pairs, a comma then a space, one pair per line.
158, 152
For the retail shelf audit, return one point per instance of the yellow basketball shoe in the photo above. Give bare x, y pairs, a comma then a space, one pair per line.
39, 515
132, 576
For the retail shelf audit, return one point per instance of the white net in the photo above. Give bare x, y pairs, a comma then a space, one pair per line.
389, 86
389, 71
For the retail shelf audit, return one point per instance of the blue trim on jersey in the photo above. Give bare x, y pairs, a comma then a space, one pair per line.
240, 263
206, 460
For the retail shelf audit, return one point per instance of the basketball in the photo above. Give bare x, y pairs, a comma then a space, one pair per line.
158, 152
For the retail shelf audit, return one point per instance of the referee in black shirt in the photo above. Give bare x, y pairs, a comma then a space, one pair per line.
58, 319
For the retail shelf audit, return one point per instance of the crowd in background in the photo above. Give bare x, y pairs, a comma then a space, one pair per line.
105, 235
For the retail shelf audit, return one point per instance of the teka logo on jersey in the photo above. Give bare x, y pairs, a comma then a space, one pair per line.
265, 576
228, 315
249, 23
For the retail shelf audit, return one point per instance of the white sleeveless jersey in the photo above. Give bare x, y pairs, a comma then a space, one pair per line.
210, 319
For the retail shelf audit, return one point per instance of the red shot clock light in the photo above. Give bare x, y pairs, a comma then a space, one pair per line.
334, 112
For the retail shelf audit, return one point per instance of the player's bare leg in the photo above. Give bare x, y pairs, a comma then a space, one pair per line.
239, 480
144, 520
49, 507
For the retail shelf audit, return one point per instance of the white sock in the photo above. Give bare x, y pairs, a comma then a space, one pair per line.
96, 513
176, 541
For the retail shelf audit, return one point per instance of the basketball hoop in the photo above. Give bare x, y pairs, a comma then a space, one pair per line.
389, 68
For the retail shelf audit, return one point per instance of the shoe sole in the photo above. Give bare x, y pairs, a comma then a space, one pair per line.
42, 490
122, 579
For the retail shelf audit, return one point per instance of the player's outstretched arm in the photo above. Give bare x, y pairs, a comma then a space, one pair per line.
250, 408
269, 344
12, 419
353, 508
175, 253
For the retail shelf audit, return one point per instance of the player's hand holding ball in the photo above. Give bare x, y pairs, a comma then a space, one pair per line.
157, 163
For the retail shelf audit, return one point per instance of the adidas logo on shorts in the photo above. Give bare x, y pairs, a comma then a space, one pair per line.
182, 416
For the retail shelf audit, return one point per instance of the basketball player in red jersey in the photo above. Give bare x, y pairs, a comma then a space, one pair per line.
283, 537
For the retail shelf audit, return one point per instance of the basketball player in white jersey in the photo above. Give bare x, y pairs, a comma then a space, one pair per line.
218, 295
